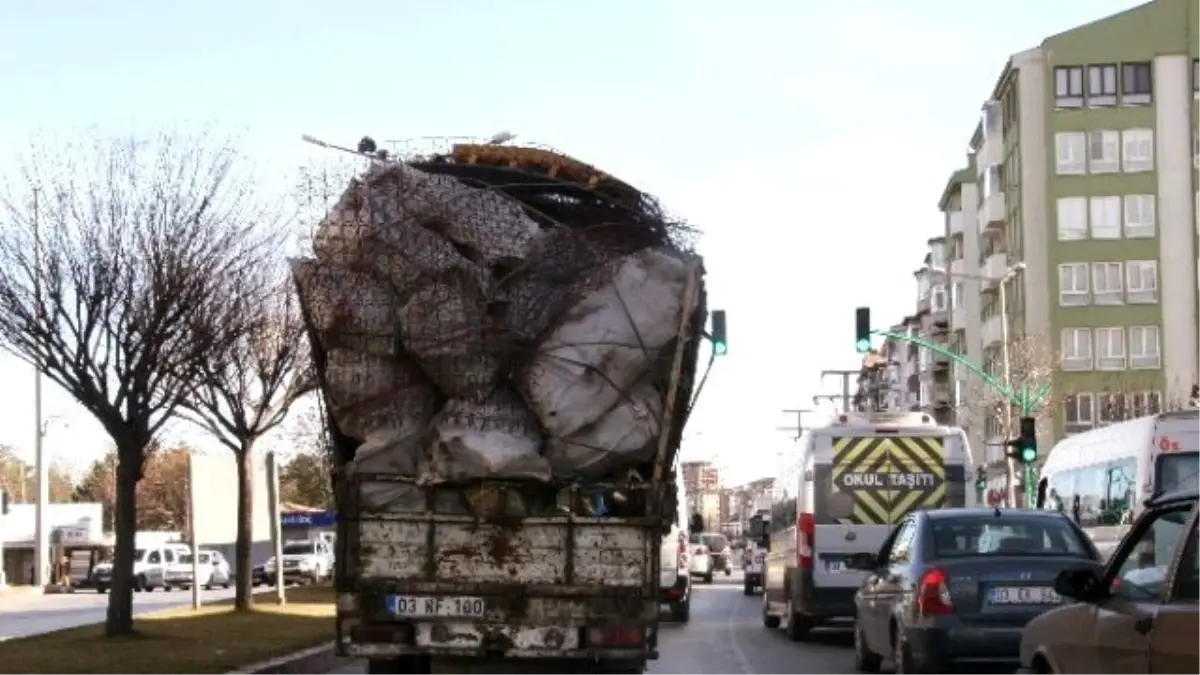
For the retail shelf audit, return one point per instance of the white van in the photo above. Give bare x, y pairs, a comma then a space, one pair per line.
1102, 477
839, 493
674, 583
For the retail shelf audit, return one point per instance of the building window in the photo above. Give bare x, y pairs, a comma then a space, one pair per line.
1068, 86
1076, 349
1141, 278
1196, 75
1073, 284
1106, 283
1146, 403
1110, 407
1110, 348
1137, 84
1102, 85
1071, 151
1144, 352
1079, 412
1072, 218
937, 255
1104, 151
957, 294
1105, 216
1139, 216
1138, 150
938, 300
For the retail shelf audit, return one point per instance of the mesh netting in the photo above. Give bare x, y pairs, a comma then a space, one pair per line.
492, 311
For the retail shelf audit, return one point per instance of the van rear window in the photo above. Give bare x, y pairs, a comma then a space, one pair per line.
1176, 470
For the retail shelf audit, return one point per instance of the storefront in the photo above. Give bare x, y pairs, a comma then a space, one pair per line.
308, 524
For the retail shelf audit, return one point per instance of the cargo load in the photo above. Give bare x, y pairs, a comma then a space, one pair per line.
472, 327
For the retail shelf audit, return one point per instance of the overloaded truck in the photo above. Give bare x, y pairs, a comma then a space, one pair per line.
505, 340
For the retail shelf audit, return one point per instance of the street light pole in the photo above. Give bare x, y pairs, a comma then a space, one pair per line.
1010, 478
41, 526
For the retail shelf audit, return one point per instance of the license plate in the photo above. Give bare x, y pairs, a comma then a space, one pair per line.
422, 606
1023, 595
834, 565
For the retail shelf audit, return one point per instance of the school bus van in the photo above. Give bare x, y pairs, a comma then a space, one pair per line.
839, 492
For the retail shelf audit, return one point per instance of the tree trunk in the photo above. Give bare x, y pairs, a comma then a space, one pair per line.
243, 599
119, 620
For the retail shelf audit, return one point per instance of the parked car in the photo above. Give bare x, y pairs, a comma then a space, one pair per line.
951, 589
213, 569
305, 561
1136, 614
258, 575
150, 567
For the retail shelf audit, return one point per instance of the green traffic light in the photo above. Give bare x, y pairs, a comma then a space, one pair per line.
863, 346
1028, 455
719, 348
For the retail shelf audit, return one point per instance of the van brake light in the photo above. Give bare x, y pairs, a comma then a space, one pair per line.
804, 540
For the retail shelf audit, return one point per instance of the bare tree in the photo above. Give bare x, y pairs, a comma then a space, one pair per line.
117, 257
247, 390
1032, 363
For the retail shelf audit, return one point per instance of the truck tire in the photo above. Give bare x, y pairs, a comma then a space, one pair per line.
681, 611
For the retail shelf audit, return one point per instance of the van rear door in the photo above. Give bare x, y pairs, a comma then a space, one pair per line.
865, 484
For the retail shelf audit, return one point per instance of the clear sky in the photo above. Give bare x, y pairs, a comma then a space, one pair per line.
810, 141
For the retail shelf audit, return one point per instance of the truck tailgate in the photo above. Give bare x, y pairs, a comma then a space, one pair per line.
464, 585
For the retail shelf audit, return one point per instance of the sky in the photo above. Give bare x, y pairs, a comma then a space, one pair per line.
808, 141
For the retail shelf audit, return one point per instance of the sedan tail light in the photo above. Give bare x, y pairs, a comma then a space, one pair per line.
933, 595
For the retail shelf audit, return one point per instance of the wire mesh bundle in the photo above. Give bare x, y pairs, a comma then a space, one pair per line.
534, 293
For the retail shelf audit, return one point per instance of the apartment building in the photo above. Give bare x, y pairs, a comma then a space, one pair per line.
902, 375
699, 476
1078, 208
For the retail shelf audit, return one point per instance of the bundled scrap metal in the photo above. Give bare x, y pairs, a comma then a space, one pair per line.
500, 312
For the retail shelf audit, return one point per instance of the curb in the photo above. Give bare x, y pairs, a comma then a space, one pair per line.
319, 659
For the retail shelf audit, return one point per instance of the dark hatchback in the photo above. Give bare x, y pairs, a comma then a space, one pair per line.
952, 589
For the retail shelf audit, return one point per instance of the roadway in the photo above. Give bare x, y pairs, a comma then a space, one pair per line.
726, 635
23, 615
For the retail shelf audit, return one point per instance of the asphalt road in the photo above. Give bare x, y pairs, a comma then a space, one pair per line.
726, 635
22, 615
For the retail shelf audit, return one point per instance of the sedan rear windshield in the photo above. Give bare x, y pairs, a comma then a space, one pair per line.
1007, 535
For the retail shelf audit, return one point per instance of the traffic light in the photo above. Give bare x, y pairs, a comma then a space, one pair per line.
720, 346
862, 329
981, 478
1024, 447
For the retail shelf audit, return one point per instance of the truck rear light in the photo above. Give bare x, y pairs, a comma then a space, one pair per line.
616, 636
382, 633
674, 593
804, 540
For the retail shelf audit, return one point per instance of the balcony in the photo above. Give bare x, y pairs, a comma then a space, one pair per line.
992, 211
958, 317
991, 141
995, 266
990, 333
955, 222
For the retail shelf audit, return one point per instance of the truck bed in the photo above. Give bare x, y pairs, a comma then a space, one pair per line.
467, 578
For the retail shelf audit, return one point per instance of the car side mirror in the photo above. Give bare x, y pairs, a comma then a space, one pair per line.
1085, 585
866, 562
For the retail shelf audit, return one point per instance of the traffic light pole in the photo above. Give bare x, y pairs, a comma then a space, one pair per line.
1026, 400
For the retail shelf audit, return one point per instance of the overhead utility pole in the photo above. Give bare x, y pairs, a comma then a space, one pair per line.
847, 395
799, 428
